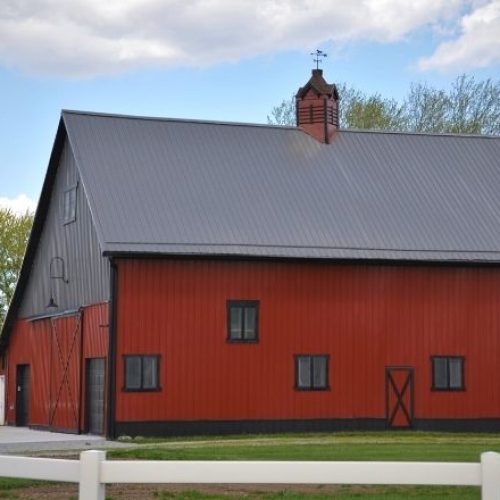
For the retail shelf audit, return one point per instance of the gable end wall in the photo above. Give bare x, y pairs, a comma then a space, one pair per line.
77, 243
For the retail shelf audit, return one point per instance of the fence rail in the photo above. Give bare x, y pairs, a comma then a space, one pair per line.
93, 472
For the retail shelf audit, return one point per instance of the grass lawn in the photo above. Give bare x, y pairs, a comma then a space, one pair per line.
409, 446
362, 493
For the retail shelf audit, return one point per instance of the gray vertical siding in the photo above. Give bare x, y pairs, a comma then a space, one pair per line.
76, 242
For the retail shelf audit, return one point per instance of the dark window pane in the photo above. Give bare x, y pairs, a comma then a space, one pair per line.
319, 372
250, 323
236, 321
133, 372
304, 372
455, 365
150, 372
440, 373
65, 206
70, 205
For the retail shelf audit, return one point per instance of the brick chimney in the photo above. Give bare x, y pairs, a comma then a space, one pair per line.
317, 108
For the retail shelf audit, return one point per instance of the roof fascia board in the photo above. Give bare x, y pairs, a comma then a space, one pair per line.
35, 235
316, 260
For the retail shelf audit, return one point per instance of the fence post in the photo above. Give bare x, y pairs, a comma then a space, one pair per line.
91, 487
490, 476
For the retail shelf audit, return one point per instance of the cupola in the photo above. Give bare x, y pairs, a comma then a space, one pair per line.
317, 108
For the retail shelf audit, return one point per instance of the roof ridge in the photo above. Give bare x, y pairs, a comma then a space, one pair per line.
269, 125
406, 132
176, 120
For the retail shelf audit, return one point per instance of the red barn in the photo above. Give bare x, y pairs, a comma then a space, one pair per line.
198, 277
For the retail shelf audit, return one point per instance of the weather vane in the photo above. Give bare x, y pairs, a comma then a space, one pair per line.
318, 57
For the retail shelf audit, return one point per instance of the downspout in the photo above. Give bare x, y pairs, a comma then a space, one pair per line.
81, 402
113, 278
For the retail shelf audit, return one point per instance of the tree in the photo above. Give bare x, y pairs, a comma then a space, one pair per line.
283, 114
356, 110
371, 112
14, 233
469, 107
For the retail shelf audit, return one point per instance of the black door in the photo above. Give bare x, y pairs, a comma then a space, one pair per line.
22, 395
399, 397
95, 395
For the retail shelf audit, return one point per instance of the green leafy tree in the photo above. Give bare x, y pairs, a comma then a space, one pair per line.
283, 114
468, 107
356, 110
14, 233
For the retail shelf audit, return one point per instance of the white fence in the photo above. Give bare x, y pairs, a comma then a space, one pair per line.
93, 472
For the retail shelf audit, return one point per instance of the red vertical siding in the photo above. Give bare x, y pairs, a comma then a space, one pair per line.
30, 343
56, 350
95, 345
365, 317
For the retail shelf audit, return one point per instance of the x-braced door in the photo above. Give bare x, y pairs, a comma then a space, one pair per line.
399, 396
65, 373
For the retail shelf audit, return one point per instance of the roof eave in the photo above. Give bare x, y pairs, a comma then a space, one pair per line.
373, 260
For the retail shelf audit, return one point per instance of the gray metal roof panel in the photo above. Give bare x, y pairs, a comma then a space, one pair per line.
177, 186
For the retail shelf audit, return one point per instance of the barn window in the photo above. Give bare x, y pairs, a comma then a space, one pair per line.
142, 373
448, 373
311, 372
70, 204
243, 320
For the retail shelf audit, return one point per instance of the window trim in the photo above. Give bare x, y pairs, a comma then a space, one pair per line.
327, 375
242, 303
69, 220
158, 387
448, 388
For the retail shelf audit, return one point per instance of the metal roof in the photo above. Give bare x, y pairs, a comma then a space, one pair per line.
188, 187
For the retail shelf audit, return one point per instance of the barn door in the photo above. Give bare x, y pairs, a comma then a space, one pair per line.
94, 399
22, 394
399, 397
65, 373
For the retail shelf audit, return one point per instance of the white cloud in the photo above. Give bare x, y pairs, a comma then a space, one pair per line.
19, 205
92, 37
478, 44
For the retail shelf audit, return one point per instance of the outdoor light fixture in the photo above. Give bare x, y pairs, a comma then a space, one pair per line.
56, 272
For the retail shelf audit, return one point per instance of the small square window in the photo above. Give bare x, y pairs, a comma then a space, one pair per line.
70, 205
311, 372
448, 373
142, 373
242, 320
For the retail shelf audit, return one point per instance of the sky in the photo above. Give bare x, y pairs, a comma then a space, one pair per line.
228, 60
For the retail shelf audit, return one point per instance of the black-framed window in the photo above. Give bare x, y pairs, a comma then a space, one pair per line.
69, 204
243, 320
448, 373
311, 372
142, 372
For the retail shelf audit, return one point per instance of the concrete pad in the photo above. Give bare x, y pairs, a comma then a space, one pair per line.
16, 439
